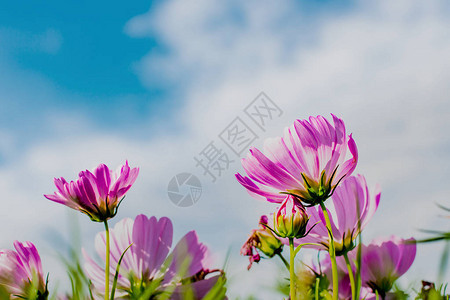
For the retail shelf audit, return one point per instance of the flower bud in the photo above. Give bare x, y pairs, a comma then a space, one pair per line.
290, 219
261, 239
267, 242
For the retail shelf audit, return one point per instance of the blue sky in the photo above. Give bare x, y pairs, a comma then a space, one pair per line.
64, 57
84, 57
92, 55
83, 49
155, 82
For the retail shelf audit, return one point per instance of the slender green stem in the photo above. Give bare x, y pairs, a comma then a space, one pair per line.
305, 244
107, 262
316, 294
358, 268
358, 281
332, 253
291, 269
376, 295
116, 275
284, 260
350, 275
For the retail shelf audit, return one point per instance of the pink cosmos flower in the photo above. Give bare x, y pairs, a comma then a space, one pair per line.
352, 203
148, 261
261, 239
21, 273
384, 261
97, 193
309, 161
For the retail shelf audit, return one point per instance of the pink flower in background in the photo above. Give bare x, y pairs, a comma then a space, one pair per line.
21, 273
345, 290
309, 161
312, 272
261, 239
97, 193
384, 261
352, 202
148, 260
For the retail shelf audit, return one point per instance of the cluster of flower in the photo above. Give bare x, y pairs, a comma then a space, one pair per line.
313, 162
137, 262
322, 206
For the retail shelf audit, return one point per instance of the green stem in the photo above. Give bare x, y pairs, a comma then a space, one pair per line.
284, 260
317, 288
305, 244
107, 262
116, 275
350, 275
358, 281
291, 269
376, 294
332, 253
358, 268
